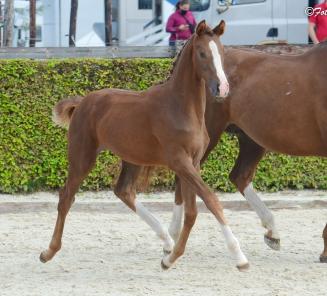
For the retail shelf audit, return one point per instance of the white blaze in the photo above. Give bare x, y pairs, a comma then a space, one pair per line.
224, 86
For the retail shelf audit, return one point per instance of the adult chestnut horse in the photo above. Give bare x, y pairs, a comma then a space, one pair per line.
280, 102
161, 126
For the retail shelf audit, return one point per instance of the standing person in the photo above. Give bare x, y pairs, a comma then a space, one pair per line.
181, 24
318, 23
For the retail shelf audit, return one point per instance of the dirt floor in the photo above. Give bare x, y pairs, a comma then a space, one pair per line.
109, 251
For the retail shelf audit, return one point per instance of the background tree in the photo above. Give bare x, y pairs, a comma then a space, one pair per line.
32, 23
1, 20
108, 21
72, 24
8, 23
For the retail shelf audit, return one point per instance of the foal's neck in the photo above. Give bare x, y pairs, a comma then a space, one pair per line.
188, 88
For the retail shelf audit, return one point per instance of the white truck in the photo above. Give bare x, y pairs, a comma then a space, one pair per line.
142, 22
253, 21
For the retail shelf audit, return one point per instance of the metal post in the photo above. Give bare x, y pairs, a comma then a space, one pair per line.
8, 23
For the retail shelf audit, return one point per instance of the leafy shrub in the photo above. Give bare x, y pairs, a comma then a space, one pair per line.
33, 150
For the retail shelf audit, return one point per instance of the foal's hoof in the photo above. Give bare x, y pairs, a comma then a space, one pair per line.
164, 266
243, 267
323, 259
273, 243
43, 257
47, 255
165, 263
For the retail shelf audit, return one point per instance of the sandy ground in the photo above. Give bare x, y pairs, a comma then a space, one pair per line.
114, 253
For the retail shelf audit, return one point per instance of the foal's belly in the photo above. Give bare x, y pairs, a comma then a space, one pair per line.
134, 148
131, 140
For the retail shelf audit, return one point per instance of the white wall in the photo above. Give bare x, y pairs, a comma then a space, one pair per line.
50, 29
132, 19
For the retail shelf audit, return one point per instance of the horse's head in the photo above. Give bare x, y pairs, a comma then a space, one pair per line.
208, 53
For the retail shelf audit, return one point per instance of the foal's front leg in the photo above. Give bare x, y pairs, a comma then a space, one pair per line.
323, 256
175, 226
189, 220
184, 168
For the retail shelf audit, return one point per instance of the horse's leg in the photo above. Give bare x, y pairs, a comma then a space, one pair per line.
175, 226
185, 169
242, 174
323, 256
125, 190
81, 157
189, 220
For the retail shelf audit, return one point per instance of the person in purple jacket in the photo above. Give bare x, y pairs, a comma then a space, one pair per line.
181, 24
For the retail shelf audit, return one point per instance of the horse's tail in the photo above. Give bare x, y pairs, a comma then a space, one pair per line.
64, 109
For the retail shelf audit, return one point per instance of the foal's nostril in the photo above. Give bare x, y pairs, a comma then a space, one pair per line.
214, 87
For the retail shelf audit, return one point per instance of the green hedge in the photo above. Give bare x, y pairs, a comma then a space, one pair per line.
33, 150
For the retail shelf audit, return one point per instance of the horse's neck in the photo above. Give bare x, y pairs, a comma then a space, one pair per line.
187, 87
239, 63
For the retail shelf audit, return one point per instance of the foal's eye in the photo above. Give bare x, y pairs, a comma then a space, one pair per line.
202, 55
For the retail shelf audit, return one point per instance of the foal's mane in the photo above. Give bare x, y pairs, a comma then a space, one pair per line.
176, 60
177, 57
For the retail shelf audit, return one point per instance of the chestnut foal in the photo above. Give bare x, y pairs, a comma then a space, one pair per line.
161, 126
280, 107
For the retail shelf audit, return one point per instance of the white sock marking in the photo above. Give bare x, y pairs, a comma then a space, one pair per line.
176, 222
233, 245
224, 86
263, 212
155, 224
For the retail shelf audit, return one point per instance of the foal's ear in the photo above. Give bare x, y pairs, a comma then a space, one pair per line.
201, 28
220, 29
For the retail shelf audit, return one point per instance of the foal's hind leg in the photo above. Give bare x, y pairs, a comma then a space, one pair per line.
323, 256
242, 175
81, 156
125, 190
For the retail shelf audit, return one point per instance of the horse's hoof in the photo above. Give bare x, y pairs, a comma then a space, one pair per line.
43, 258
323, 259
243, 267
164, 266
273, 243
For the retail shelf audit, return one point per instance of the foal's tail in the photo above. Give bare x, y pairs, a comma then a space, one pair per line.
64, 109
144, 178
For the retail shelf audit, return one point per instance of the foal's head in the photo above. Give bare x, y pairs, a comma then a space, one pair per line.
208, 55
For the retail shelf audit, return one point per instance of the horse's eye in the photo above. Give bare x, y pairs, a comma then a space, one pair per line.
202, 55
